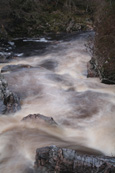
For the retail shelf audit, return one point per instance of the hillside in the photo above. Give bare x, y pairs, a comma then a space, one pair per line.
33, 18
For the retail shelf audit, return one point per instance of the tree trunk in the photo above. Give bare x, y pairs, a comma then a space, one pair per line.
62, 160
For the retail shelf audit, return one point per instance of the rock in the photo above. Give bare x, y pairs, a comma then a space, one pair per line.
39, 117
105, 71
52, 159
9, 102
70, 26
6, 51
4, 57
49, 64
9, 68
73, 26
2, 107
107, 81
102, 66
91, 71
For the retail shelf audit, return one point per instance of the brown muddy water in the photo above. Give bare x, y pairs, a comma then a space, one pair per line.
57, 86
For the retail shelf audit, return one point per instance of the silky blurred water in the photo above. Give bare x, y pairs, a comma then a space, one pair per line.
56, 85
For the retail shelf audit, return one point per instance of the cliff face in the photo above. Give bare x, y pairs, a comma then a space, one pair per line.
31, 18
104, 45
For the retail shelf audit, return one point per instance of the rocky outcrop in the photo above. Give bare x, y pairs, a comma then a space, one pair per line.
62, 160
103, 60
9, 102
103, 68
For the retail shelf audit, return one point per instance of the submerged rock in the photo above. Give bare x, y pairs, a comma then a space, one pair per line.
9, 68
39, 117
49, 64
9, 102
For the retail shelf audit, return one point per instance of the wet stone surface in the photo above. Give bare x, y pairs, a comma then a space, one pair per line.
9, 102
10, 68
63, 160
49, 64
38, 117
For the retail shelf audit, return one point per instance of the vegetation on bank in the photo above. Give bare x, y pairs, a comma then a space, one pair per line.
32, 18
36, 17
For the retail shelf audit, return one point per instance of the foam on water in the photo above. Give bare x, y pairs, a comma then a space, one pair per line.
57, 86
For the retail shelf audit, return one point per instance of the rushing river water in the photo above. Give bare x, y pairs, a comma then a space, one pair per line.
56, 86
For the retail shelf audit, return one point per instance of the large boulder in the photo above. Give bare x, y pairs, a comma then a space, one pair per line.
9, 102
53, 159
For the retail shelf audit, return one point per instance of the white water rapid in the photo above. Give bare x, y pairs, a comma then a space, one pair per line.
58, 87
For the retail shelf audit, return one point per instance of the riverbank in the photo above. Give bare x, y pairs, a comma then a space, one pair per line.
33, 19
36, 18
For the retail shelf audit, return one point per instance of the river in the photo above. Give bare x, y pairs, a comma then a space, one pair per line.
55, 84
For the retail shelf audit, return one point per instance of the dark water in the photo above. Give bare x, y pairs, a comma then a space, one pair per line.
26, 47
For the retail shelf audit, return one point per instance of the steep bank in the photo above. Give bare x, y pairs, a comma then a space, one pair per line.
103, 60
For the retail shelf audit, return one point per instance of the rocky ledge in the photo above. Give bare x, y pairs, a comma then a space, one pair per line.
62, 160
9, 102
